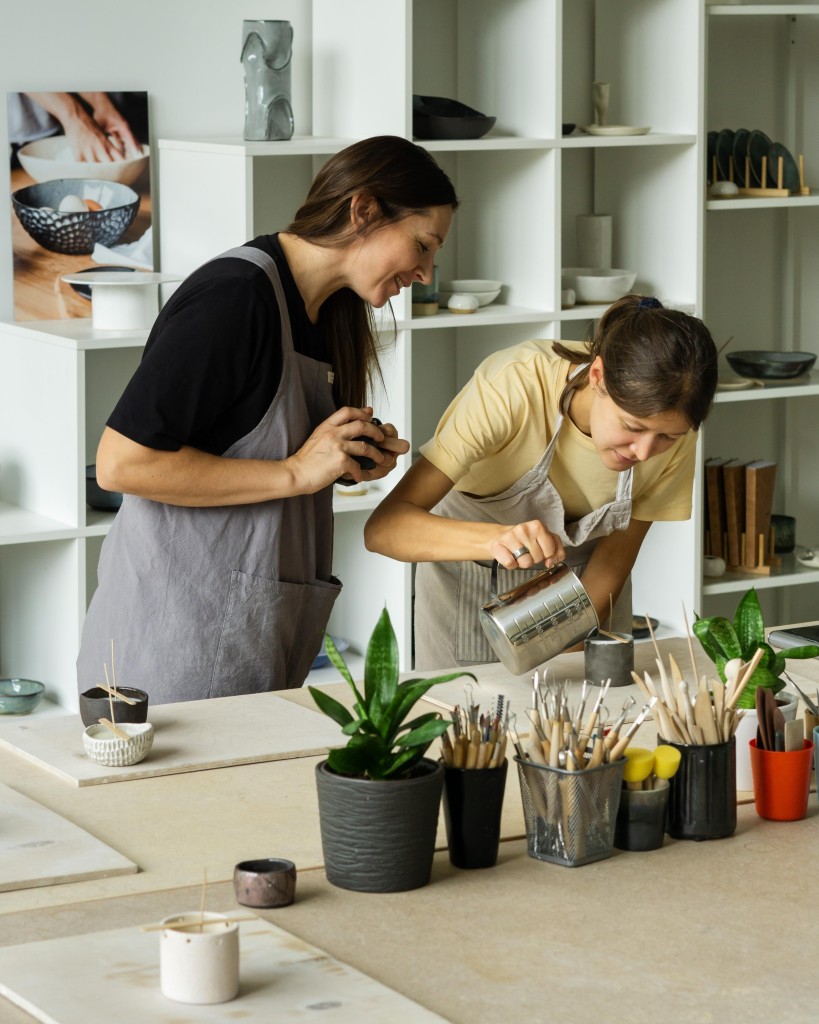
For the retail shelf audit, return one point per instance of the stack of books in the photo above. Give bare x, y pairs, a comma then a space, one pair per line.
738, 506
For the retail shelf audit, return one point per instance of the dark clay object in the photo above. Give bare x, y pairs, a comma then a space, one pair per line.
265, 883
94, 705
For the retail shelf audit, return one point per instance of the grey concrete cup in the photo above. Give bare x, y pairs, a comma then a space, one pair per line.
265, 883
608, 658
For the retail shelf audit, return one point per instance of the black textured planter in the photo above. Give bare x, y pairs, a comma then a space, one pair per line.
379, 836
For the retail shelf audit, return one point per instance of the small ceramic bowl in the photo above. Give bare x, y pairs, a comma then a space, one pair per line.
102, 746
596, 284
462, 303
485, 291
51, 158
94, 705
265, 883
20, 696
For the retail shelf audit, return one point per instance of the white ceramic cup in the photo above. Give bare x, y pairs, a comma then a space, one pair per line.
199, 966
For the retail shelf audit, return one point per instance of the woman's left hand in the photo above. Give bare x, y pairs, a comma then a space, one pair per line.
391, 447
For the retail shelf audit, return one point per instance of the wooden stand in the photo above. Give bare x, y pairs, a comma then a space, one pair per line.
746, 191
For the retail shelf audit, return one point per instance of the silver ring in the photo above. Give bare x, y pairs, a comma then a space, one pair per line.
520, 553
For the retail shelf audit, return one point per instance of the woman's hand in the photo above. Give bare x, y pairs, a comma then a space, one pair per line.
526, 545
330, 451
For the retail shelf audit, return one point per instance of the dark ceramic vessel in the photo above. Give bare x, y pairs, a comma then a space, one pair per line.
473, 802
379, 836
702, 799
94, 705
265, 883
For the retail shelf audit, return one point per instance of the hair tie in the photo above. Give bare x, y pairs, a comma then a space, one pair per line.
649, 303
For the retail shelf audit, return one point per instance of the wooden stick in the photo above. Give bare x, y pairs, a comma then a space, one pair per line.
690, 644
747, 172
430, 700
743, 679
116, 694
612, 636
202, 901
120, 735
780, 172
763, 182
110, 693
113, 669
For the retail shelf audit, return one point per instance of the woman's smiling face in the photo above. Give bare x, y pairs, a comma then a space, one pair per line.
393, 255
622, 440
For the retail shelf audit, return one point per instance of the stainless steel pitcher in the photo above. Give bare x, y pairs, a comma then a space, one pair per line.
537, 619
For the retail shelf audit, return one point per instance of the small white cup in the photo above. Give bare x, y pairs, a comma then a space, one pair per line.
713, 566
199, 966
460, 302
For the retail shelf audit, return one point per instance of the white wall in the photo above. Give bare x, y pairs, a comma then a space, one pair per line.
185, 56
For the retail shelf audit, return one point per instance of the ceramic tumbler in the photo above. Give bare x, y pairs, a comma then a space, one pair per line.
641, 818
702, 799
781, 781
473, 801
265, 883
199, 958
593, 233
609, 658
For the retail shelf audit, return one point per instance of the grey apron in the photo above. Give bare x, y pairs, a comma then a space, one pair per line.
449, 595
212, 602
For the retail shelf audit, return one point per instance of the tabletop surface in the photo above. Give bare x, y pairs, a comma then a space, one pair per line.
683, 931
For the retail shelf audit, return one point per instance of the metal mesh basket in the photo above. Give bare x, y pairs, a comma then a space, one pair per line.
570, 816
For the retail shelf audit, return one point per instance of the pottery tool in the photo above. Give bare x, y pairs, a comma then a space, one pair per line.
619, 748
794, 734
116, 694
666, 761
478, 739
639, 765
809, 704
120, 735
110, 693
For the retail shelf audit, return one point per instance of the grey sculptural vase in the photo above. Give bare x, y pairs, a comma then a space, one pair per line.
267, 48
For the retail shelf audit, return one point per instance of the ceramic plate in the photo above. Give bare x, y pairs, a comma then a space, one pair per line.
725, 149
790, 172
734, 383
739, 153
758, 146
639, 626
613, 129
711, 156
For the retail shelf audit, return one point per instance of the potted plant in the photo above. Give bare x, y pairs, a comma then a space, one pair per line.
379, 795
724, 641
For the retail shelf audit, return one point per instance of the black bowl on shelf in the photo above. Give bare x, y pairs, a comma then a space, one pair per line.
96, 497
770, 365
435, 117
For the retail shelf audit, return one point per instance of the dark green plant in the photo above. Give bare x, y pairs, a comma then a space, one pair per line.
382, 744
723, 640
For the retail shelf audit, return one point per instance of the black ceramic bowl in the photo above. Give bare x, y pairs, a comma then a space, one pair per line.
37, 210
770, 365
105, 501
94, 705
434, 117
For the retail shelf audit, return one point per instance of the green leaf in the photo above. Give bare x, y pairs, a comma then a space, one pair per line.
808, 651
717, 637
331, 707
341, 665
424, 735
748, 624
381, 669
355, 758
402, 763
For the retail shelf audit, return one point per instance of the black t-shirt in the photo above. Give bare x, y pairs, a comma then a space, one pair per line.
213, 360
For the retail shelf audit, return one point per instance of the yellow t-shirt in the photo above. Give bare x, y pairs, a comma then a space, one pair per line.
498, 427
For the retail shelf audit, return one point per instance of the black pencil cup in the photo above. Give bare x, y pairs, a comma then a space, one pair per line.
702, 801
473, 801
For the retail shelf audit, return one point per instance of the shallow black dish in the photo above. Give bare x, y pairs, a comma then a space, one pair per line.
96, 497
758, 146
770, 365
568, 127
639, 626
739, 153
95, 704
725, 151
435, 117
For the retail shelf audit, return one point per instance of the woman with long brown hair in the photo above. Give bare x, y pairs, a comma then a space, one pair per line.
552, 452
250, 401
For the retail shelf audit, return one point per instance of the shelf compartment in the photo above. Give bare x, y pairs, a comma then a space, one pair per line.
772, 390
21, 526
789, 574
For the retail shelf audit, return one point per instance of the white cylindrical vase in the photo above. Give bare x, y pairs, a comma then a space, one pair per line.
594, 240
199, 958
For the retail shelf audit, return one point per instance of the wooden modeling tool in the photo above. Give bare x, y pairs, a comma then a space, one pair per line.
115, 729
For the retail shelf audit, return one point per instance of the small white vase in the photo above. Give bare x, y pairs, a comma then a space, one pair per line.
199, 966
746, 731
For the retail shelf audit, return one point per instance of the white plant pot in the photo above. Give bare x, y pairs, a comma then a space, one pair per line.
746, 731
199, 966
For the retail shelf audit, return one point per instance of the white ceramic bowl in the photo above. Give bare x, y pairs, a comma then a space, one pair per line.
484, 291
460, 302
593, 284
102, 746
51, 158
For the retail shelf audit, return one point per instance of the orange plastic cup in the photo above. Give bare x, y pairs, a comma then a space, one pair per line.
781, 781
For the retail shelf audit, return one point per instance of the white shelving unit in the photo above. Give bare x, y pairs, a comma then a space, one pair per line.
760, 263
677, 65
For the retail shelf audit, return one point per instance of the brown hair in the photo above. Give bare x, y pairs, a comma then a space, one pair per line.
655, 360
403, 179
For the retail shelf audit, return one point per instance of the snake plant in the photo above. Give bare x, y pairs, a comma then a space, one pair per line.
723, 640
382, 744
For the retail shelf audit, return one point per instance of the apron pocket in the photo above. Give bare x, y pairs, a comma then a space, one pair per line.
272, 632
474, 580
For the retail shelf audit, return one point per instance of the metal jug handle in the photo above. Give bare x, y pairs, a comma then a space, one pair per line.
493, 581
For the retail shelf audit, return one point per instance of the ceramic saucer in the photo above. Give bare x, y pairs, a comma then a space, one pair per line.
613, 129
790, 172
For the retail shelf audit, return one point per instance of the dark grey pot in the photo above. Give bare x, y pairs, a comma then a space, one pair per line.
379, 836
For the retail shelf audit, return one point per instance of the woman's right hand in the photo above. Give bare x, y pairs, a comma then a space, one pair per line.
535, 544
328, 453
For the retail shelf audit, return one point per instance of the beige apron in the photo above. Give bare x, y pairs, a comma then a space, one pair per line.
449, 595
213, 602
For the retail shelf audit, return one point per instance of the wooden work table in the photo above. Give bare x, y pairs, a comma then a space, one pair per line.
692, 932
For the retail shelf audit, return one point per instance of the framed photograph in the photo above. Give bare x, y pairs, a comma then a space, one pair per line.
80, 195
